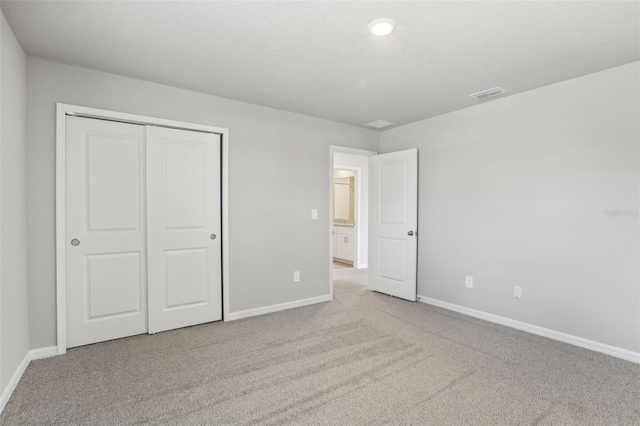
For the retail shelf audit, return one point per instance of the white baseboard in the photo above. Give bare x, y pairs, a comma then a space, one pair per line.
280, 307
541, 331
43, 352
17, 375
15, 379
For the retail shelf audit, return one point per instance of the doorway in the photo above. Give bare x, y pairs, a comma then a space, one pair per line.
388, 210
346, 188
349, 194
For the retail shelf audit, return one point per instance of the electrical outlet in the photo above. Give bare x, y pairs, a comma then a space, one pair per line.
517, 292
468, 282
296, 276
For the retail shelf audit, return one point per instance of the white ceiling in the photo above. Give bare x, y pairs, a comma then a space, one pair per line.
317, 58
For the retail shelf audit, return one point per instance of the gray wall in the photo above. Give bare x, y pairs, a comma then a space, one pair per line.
279, 171
514, 192
14, 329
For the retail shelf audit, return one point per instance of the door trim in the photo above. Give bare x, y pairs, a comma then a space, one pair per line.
344, 150
62, 110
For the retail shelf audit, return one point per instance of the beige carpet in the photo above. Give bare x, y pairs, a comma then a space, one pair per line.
364, 358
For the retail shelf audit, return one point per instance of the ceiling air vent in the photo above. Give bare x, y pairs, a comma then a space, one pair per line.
496, 91
379, 124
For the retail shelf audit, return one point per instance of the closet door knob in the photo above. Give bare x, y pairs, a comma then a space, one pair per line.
410, 233
75, 242
213, 236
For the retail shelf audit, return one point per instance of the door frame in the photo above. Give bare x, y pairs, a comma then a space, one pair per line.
344, 150
62, 110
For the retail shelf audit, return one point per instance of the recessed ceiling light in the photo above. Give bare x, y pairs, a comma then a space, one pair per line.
381, 27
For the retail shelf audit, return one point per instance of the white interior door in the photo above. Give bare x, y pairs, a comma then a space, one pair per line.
393, 223
106, 292
183, 227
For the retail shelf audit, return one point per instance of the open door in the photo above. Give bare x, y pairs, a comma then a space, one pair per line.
393, 223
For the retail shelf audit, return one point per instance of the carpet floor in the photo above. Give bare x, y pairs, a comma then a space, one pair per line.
364, 358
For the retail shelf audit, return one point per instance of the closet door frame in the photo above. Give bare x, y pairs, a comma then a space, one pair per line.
64, 110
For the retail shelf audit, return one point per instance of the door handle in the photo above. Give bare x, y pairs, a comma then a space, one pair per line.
410, 233
75, 242
212, 236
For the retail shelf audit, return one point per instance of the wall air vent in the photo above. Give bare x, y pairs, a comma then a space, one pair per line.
485, 94
379, 124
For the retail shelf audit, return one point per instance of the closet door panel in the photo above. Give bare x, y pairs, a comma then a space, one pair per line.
186, 277
183, 224
105, 237
185, 175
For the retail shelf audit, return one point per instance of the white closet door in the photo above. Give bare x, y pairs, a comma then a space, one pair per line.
183, 227
106, 292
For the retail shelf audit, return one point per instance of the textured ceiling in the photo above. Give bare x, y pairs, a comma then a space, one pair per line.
317, 58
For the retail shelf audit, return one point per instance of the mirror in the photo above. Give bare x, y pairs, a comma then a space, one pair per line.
344, 197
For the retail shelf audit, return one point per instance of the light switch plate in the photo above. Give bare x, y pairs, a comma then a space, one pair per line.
314, 214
